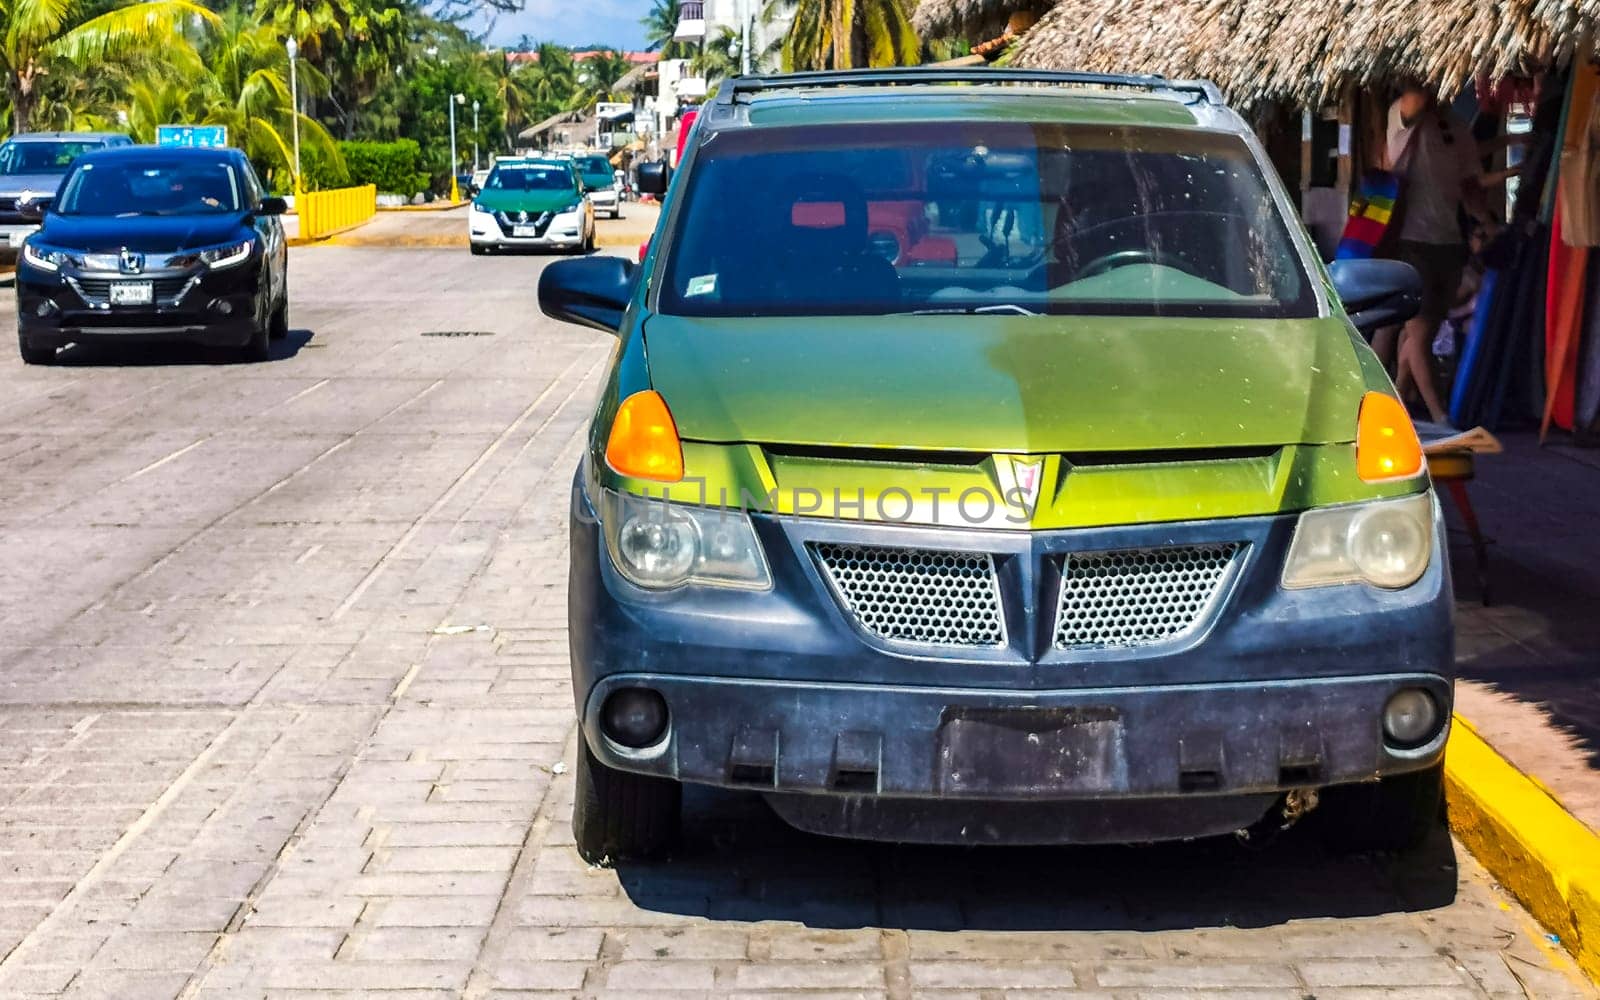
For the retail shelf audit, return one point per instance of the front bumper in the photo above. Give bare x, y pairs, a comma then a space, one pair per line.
13, 233
212, 308
562, 233
781, 691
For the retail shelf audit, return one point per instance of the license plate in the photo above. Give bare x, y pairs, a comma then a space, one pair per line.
132, 293
1024, 752
525, 232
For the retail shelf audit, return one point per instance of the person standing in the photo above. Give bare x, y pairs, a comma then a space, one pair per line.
1435, 154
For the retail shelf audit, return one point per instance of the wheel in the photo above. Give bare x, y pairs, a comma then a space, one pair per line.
479, 250
259, 346
1393, 814
34, 354
588, 241
616, 213
278, 326
618, 816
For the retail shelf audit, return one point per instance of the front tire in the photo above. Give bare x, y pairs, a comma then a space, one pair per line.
34, 354
259, 346
479, 250
621, 816
278, 326
1397, 813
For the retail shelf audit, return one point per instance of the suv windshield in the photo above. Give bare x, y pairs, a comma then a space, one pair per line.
965, 216
41, 157
151, 187
594, 166
529, 177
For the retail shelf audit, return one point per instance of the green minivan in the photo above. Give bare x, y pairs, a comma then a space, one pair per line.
987, 457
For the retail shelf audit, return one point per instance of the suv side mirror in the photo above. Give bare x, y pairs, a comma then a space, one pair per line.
592, 292
272, 206
654, 177
1377, 293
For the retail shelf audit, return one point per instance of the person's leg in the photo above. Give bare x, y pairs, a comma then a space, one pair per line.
1384, 342
1416, 350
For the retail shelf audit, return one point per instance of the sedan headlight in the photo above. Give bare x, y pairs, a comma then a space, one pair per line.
1387, 544
657, 544
228, 256
478, 209
575, 206
45, 258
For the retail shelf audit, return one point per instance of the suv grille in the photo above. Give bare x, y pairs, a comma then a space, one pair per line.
917, 595
1136, 597
97, 291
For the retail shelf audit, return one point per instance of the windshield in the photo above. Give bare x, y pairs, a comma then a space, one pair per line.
979, 216
594, 165
530, 177
41, 157
151, 187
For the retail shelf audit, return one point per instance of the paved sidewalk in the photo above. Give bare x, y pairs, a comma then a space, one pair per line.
247, 753
1531, 661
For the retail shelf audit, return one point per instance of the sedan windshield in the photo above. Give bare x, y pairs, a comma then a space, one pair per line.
982, 217
530, 177
151, 187
18, 158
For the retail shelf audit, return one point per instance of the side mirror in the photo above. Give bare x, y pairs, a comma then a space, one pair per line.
592, 292
1377, 293
272, 206
654, 178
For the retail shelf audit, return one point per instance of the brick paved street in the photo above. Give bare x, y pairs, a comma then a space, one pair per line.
245, 751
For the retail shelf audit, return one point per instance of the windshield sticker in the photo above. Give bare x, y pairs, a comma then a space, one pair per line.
706, 284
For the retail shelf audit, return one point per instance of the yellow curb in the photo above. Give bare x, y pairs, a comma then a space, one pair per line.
1540, 852
458, 240
432, 206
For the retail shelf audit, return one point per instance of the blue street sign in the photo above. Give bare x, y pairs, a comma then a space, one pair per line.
193, 136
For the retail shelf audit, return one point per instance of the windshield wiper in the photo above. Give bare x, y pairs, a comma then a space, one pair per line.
999, 308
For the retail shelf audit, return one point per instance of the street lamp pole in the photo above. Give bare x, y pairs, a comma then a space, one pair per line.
474, 136
455, 188
293, 48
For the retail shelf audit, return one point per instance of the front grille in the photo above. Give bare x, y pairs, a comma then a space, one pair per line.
97, 291
539, 220
1136, 597
917, 595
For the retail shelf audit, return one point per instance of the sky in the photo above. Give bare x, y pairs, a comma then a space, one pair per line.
575, 22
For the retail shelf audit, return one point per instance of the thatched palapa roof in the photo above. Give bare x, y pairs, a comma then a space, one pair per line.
1305, 51
972, 18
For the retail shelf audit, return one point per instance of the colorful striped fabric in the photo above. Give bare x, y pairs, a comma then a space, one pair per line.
1370, 212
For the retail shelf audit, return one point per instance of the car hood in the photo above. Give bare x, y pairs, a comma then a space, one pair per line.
147, 233
1008, 383
526, 201
38, 184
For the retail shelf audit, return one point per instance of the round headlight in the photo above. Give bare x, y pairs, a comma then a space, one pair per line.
1389, 546
658, 547
1411, 718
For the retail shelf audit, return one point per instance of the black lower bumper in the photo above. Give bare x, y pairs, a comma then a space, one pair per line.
165, 330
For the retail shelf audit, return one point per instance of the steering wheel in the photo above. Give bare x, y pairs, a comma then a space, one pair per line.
1123, 258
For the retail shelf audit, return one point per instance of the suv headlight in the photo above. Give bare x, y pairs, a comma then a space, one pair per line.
44, 258
657, 544
1386, 543
228, 256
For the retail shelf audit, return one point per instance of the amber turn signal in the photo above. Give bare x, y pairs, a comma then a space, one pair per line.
644, 441
1387, 446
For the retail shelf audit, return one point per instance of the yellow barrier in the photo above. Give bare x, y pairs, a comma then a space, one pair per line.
323, 213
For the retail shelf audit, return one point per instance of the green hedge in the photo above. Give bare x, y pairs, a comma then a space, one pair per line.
395, 167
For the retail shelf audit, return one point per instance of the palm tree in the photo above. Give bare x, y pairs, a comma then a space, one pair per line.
598, 77
552, 81
511, 89
842, 34
720, 58
660, 27
40, 32
247, 89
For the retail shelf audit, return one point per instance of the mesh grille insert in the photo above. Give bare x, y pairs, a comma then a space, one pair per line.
1137, 596
917, 595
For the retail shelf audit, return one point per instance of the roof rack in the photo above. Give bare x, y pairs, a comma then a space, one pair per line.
1202, 91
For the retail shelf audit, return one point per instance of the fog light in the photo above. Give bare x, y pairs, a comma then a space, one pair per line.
1411, 718
222, 307
44, 308
634, 717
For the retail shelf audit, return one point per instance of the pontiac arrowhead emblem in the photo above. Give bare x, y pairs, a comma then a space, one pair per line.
1026, 479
